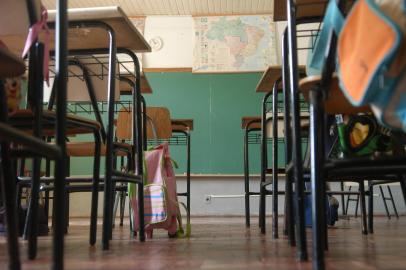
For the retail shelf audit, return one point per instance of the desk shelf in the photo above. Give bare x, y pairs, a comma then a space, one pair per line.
176, 139
254, 137
97, 65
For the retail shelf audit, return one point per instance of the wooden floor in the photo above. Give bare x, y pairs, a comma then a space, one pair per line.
225, 243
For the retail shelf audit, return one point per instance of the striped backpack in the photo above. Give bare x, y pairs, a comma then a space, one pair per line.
161, 206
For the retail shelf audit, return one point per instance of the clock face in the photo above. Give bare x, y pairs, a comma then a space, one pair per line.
156, 43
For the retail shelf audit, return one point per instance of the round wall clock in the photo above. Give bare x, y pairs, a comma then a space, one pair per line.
156, 43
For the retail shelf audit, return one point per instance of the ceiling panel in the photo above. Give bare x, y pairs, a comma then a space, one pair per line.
177, 7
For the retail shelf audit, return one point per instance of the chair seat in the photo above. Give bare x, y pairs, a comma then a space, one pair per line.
254, 122
86, 149
182, 124
24, 119
336, 102
10, 65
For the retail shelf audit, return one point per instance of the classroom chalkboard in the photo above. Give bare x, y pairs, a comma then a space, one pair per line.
216, 102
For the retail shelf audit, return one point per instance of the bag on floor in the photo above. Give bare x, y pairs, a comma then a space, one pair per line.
161, 207
371, 56
331, 210
331, 207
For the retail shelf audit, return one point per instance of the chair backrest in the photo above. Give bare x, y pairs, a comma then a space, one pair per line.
159, 119
124, 124
16, 16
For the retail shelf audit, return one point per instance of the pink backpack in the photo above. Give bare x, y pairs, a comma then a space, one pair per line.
161, 207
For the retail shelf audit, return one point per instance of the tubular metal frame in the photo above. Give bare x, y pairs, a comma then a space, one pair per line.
264, 161
187, 193
322, 169
111, 174
248, 193
9, 134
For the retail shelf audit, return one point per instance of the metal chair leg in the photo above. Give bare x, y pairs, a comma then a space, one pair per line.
348, 201
274, 159
60, 174
363, 207
8, 189
117, 198
371, 209
342, 199
95, 190
393, 201
262, 205
264, 166
384, 201
188, 177
289, 220
246, 181
35, 87
122, 207
32, 213
317, 184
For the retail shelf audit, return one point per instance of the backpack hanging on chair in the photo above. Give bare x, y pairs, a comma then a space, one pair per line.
161, 206
371, 56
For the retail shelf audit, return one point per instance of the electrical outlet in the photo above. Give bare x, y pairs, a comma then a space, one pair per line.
208, 199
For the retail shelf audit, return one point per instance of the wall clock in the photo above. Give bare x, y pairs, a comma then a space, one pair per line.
156, 43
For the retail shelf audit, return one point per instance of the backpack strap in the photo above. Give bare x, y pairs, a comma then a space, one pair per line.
333, 20
181, 233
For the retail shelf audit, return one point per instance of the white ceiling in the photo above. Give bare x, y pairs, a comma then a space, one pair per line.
177, 7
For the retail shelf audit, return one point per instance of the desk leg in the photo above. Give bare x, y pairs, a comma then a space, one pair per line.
289, 221
297, 162
275, 159
61, 67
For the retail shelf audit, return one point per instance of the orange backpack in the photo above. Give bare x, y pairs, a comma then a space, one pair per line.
371, 56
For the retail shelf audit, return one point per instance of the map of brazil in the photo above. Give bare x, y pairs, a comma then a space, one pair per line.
234, 44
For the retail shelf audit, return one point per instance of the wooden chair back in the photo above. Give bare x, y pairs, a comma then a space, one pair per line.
159, 119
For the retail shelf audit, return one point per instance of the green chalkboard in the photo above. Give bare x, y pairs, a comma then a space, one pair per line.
216, 102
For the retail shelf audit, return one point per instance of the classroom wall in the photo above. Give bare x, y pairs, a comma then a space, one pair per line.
177, 33
204, 187
216, 101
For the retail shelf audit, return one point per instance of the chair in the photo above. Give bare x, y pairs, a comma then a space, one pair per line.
13, 35
271, 84
324, 93
384, 198
249, 125
296, 12
184, 127
160, 128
